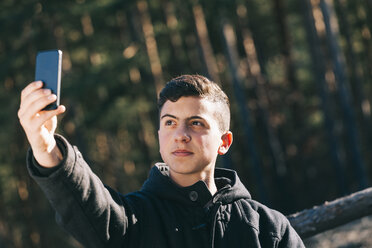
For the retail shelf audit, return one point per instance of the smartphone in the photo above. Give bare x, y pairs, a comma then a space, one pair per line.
48, 70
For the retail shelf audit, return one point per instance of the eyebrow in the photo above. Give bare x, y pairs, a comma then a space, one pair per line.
195, 117
168, 115
189, 118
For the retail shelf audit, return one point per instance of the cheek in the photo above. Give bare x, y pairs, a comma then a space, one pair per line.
214, 143
162, 140
210, 143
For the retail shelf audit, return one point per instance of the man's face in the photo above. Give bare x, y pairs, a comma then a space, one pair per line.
189, 135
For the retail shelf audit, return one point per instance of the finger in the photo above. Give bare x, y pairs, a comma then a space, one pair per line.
29, 112
34, 125
26, 92
45, 116
42, 102
33, 97
30, 88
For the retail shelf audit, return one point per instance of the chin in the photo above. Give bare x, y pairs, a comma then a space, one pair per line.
180, 170
185, 170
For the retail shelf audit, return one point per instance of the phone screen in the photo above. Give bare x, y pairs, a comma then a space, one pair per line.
48, 69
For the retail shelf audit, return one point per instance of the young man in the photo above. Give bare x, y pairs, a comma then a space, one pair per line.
185, 202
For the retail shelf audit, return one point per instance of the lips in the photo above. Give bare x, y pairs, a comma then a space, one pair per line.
182, 153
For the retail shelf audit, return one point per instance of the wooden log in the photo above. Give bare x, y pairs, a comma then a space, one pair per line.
332, 214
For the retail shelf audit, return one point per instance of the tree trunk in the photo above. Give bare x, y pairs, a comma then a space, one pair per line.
259, 84
318, 66
285, 47
339, 71
233, 58
362, 103
205, 44
178, 53
151, 45
332, 214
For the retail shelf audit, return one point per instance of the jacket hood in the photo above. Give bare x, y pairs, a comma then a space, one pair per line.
229, 187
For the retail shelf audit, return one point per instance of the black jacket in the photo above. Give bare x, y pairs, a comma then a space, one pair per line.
161, 214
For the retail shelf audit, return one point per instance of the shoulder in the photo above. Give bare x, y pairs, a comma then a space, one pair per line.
269, 222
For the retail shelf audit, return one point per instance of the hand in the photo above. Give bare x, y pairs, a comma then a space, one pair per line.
40, 125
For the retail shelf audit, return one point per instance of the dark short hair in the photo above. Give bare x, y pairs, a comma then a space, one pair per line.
196, 85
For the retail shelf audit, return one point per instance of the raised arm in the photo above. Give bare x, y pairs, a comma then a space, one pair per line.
40, 125
93, 213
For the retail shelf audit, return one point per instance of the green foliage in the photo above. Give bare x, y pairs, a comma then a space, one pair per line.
109, 90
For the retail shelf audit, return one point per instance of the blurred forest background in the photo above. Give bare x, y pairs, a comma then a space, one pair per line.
298, 73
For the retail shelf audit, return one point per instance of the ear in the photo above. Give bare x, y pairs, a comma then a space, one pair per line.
227, 139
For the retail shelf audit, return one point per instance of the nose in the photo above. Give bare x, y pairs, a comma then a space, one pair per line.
182, 134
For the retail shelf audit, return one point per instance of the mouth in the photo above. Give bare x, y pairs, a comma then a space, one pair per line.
182, 153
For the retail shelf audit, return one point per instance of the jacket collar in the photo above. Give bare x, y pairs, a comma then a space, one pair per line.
228, 185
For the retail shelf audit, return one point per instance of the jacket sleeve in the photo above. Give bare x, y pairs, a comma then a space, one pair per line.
94, 214
275, 225
290, 238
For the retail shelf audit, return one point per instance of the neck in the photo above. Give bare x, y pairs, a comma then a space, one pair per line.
185, 180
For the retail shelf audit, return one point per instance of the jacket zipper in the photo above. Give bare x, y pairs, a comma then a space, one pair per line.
214, 216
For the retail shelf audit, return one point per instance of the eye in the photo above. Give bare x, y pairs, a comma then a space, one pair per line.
197, 123
169, 123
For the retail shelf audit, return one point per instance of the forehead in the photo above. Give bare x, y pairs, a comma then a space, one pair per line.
189, 106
